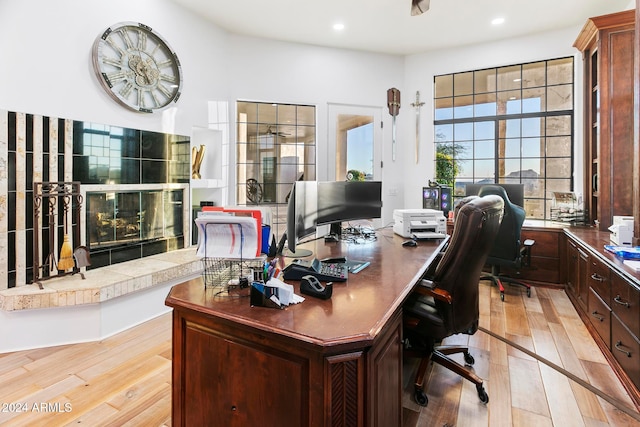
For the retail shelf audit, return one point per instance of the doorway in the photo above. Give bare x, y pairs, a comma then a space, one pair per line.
355, 136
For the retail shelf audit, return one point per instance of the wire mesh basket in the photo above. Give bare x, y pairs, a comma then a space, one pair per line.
229, 273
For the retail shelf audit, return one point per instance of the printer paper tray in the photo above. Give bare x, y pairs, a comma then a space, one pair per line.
428, 235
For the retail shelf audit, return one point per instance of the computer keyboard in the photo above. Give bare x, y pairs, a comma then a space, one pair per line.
428, 235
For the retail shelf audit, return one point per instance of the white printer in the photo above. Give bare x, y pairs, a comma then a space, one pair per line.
420, 223
621, 230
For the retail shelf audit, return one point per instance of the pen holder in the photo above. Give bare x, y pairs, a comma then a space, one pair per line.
264, 296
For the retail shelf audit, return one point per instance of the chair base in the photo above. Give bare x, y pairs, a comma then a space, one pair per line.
499, 279
440, 355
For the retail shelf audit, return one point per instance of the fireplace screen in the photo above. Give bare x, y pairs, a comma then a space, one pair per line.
124, 217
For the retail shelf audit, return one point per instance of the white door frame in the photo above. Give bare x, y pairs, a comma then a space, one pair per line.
333, 111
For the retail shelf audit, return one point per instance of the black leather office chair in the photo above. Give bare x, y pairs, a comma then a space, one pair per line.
447, 303
507, 251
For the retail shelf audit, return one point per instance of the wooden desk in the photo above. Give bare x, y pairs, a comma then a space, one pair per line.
319, 363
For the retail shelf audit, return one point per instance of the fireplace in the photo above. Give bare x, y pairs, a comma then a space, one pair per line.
127, 223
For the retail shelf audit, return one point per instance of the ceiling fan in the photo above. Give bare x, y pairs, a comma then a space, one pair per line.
418, 7
270, 132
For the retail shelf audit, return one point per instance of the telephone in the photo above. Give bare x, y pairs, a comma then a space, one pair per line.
323, 271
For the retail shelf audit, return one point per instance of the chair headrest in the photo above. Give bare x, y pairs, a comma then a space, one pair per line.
494, 189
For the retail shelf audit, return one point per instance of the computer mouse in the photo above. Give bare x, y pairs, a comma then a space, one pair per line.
410, 243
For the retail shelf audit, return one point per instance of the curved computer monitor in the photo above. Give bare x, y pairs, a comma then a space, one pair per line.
314, 203
348, 201
302, 210
514, 191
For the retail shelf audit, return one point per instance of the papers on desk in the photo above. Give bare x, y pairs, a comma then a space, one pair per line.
227, 236
633, 264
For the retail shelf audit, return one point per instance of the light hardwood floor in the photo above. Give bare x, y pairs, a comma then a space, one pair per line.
125, 379
522, 390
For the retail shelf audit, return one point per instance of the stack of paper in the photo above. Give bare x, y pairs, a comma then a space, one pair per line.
227, 236
633, 264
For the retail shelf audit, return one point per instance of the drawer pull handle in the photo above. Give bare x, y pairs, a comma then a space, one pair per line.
598, 316
597, 278
618, 347
618, 300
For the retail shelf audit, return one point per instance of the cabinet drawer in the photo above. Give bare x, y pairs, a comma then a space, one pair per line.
625, 303
599, 279
626, 349
600, 316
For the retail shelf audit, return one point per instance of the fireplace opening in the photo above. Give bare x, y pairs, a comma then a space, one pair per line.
122, 225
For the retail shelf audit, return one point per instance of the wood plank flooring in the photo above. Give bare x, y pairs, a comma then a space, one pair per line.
125, 380
522, 390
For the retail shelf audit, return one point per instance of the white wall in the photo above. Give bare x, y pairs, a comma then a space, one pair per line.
46, 69
421, 69
45, 48
265, 70
45, 51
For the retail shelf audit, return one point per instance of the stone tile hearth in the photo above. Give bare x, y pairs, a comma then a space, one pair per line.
103, 284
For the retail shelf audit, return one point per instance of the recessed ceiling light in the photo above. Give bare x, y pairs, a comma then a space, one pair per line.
497, 21
338, 26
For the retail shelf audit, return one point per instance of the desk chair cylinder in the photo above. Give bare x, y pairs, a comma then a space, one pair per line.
507, 251
448, 302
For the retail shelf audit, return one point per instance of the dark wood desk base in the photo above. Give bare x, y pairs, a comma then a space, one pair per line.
320, 363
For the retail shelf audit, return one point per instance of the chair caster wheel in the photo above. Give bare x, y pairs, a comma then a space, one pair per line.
529, 292
482, 394
468, 359
501, 296
421, 397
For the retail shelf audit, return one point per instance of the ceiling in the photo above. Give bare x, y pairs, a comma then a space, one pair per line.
386, 26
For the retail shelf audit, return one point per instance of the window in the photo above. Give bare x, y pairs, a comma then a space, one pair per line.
511, 124
276, 146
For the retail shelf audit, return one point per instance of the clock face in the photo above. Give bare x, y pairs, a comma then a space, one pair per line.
137, 67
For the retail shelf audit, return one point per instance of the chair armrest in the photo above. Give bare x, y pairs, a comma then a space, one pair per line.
428, 288
525, 252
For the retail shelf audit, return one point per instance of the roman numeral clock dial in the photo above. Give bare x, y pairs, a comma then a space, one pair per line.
136, 67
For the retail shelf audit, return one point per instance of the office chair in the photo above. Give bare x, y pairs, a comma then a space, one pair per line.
447, 302
507, 249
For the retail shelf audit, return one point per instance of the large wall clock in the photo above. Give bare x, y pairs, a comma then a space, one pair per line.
136, 66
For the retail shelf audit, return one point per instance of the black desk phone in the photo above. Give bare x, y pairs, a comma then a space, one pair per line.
325, 271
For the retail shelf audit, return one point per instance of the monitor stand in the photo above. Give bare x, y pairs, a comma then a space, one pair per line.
298, 253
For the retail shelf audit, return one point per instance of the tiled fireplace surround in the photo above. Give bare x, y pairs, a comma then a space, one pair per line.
91, 306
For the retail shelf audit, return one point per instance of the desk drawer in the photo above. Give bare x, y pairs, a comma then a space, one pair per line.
626, 349
599, 279
625, 303
600, 316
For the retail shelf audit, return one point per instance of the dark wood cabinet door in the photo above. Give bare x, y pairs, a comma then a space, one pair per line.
582, 283
572, 268
385, 362
229, 383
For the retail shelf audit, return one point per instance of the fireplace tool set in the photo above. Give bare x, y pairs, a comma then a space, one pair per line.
70, 260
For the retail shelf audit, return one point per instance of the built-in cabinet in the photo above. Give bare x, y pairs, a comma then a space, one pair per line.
577, 269
606, 294
607, 44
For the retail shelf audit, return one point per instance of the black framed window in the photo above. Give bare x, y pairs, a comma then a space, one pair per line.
276, 145
511, 124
